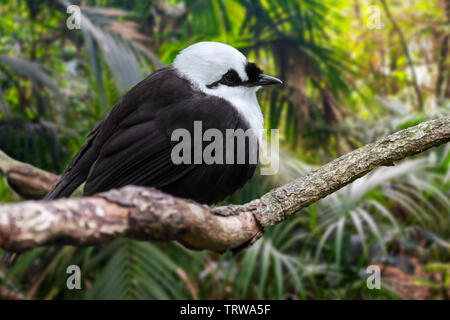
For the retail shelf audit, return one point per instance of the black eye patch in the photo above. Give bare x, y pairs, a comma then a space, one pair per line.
231, 79
253, 72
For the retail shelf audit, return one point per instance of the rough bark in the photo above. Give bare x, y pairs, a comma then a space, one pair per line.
148, 214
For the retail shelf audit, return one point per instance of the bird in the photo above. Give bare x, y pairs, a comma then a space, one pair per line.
208, 82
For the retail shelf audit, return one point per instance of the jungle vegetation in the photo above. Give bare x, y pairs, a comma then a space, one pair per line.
353, 71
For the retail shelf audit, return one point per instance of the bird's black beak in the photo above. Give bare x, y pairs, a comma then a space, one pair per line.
265, 80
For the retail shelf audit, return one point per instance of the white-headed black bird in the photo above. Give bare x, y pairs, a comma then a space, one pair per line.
209, 82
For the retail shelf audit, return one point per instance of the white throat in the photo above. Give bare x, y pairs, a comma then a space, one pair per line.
244, 100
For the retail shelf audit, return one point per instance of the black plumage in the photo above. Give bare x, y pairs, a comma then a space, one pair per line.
132, 144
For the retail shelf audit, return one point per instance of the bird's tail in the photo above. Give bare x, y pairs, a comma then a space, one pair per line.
76, 172
68, 183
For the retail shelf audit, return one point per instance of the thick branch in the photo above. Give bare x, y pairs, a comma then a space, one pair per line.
148, 214
134, 212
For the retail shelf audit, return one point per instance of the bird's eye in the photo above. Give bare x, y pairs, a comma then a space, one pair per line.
231, 78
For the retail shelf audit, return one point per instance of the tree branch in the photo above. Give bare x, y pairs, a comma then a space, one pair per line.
28, 181
148, 214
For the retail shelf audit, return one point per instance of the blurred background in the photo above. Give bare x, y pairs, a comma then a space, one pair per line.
353, 71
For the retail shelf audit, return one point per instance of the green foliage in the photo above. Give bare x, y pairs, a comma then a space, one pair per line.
345, 85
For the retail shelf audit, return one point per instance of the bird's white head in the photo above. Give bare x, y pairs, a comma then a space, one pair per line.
221, 70
211, 65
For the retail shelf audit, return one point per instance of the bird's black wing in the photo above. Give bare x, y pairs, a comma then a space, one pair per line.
139, 152
151, 88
